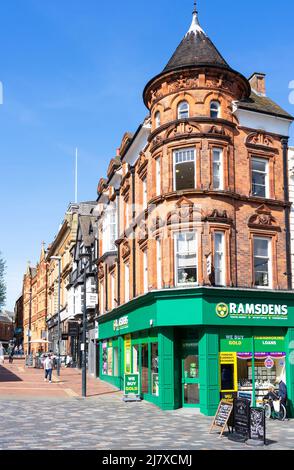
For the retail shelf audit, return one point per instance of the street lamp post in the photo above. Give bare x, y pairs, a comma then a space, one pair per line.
58, 258
84, 256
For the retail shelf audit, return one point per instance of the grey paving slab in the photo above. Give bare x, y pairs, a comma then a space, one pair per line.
109, 423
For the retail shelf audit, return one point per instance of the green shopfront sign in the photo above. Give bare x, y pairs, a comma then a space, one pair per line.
131, 385
251, 311
121, 324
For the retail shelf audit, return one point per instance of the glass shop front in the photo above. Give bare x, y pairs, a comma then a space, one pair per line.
249, 366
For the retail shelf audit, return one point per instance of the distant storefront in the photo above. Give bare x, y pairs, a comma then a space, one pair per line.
192, 347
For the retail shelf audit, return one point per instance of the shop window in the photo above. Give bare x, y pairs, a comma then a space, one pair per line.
110, 360
215, 109
262, 262
227, 376
136, 349
186, 258
104, 358
145, 368
183, 110
154, 369
184, 169
217, 155
260, 177
115, 362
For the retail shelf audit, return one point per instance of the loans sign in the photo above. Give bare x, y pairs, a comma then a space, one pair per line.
240, 310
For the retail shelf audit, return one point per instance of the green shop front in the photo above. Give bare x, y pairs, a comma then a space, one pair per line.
192, 347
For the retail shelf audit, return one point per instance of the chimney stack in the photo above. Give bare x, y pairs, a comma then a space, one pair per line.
257, 82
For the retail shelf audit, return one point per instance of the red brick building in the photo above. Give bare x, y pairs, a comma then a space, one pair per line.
6, 328
194, 228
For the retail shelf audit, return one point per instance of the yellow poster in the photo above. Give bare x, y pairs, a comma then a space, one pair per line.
128, 354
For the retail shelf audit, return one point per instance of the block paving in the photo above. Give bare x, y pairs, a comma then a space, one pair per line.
37, 415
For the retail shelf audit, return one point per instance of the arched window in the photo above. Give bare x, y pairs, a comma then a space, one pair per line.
157, 119
183, 110
215, 109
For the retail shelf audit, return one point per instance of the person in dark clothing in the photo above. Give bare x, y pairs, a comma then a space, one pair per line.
282, 391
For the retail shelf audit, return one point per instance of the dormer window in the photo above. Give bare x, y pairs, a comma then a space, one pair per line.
215, 109
183, 110
157, 120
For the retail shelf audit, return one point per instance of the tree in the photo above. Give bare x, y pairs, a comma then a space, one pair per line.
2, 282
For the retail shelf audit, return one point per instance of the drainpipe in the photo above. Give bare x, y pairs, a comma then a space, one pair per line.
287, 212
133, 234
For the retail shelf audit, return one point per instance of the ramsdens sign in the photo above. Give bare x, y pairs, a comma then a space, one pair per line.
235, 310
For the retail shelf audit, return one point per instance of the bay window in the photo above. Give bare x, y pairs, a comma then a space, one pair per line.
186, 259
262, 262
217, 167
219, 259
184, 169
144, 189
158, 176
109, 229
260, 177
215, 109
127, 283
145, 271
159, 264
183, 110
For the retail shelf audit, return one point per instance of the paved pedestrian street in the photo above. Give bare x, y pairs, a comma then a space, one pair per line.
37, 416
108, 423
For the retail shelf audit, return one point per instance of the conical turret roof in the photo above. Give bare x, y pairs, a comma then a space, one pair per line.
196, 49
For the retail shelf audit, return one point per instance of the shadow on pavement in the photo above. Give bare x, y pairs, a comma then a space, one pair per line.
8, 376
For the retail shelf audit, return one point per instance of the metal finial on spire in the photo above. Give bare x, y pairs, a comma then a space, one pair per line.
195, 26
195, 7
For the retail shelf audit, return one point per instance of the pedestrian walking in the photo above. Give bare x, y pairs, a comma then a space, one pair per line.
11, 357
48, 367
68, 360
2, 357
283, 393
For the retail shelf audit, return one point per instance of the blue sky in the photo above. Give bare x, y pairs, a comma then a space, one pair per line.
73, 73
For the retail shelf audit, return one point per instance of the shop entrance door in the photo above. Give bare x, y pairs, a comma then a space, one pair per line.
190, 374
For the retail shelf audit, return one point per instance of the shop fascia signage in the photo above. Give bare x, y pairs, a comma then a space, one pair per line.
121, 324
247, 310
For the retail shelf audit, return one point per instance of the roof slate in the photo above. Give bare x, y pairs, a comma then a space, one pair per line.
196, 49
263, 104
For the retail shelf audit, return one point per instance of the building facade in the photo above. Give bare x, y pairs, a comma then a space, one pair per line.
194, 266
6, 329
18, 322
62, 247
291, 193
35, 307
86, 242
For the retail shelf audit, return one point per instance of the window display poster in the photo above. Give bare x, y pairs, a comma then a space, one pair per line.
155, 385
104, 357
110, 361
128, 354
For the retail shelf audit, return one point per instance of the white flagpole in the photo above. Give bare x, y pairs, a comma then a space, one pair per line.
76, 178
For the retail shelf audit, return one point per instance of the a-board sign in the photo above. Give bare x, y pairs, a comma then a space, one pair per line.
132, 387
257, 424
242, 417
222, 416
